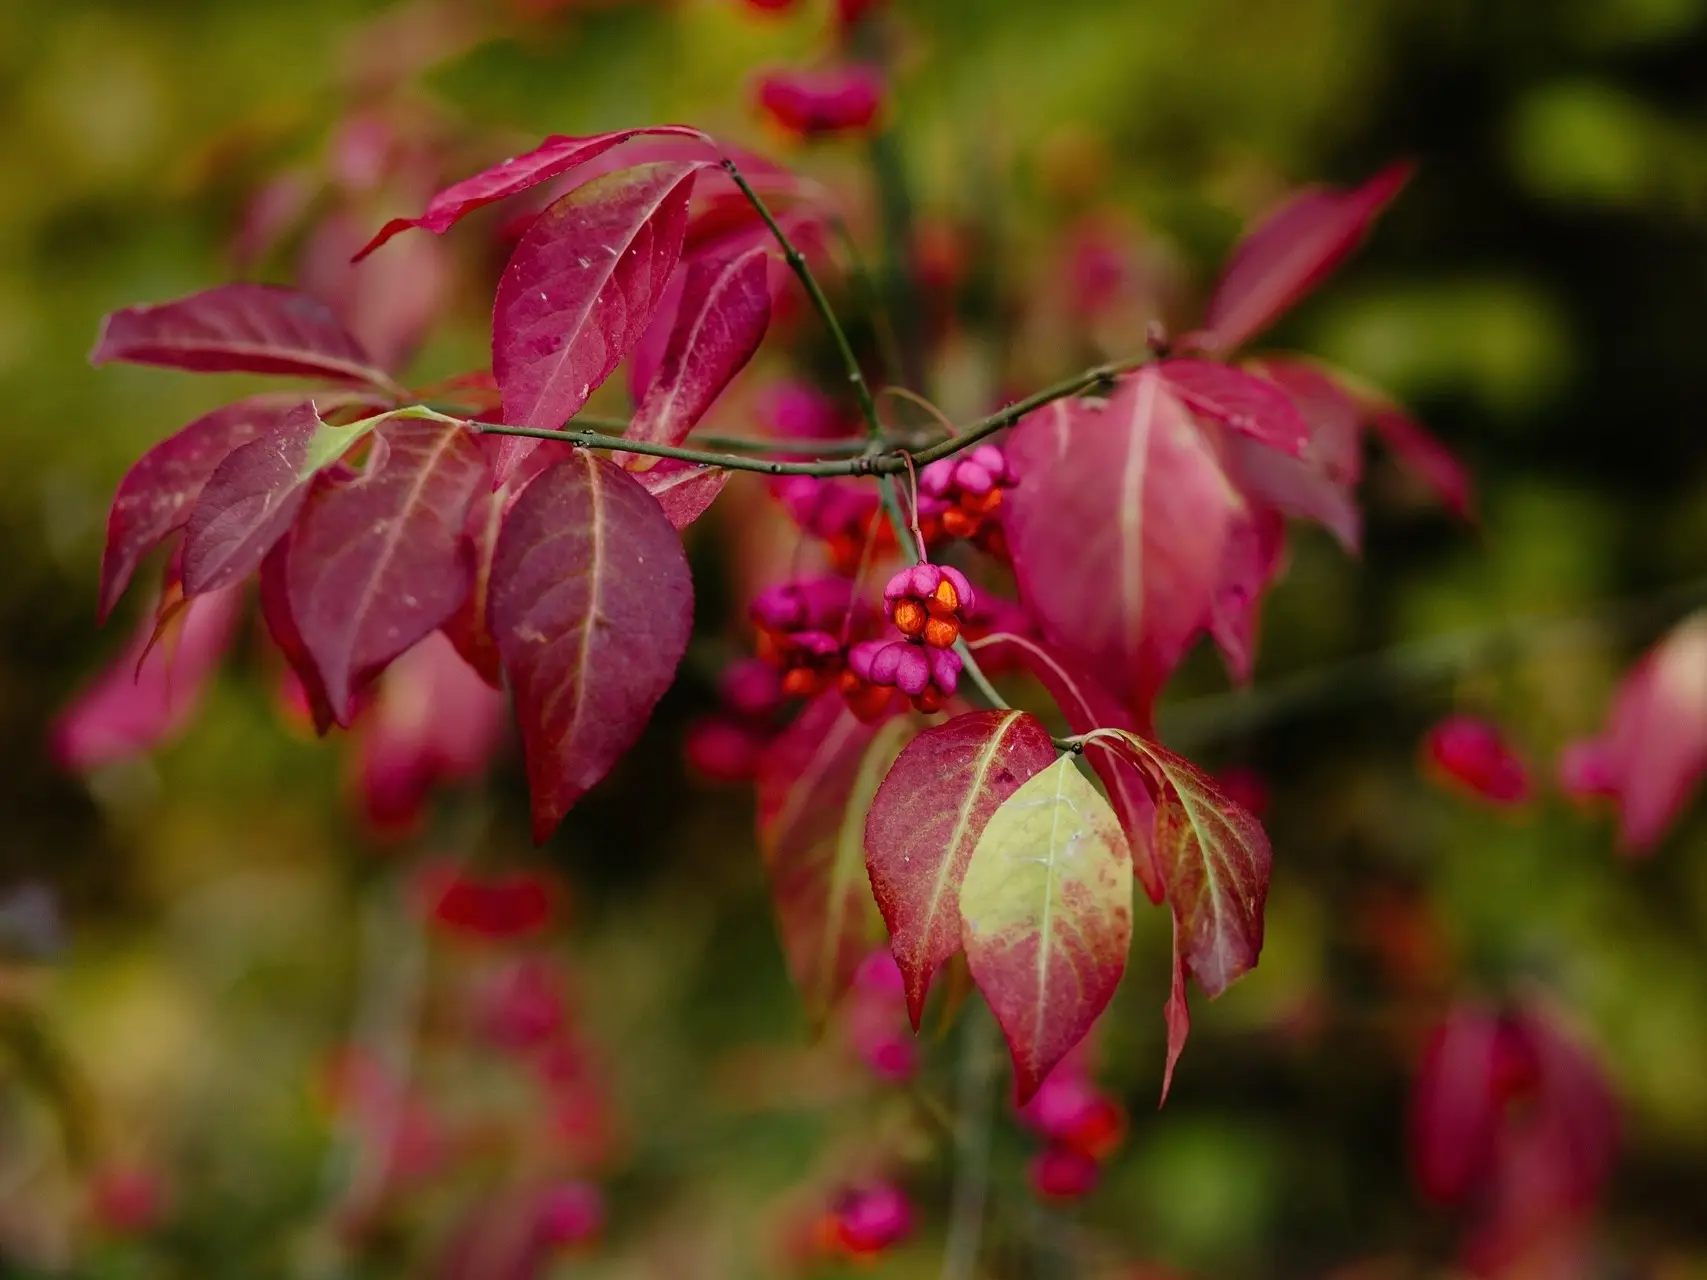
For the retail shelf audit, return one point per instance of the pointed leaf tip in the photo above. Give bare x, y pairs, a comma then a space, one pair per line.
925, 823
1046, 916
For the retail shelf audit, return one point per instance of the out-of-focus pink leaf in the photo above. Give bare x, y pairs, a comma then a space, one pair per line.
377, 561
724, 311
580, 290
470, 627
389, 304
1235, 399
1086, 705
1118, 528
1653, 754
1474, 754
814, 784
556, 155
1332, 412
591, 604
255, 493
1215, 860
140, 702
685, 490
156, 494
815, 102
1291, 252
1432, 461
925, 822
433, 721
239, 328
1046, 916
1256, 552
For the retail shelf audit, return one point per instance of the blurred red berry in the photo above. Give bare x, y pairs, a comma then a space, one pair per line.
1473, 753
815, 103
872, 1218
570, 1213
1061, 1173
126, 1200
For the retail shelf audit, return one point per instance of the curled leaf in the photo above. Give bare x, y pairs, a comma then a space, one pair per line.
685, 490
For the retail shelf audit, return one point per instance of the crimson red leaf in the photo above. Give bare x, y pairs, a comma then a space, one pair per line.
1118, 528
1087, 706
281, 625
239, 328
142, 701
1046, 916
591, 605
1256, 550
1431, 460
556, 155
1291, 252
1235, 399
1176, 1013
470, 627
1215, 860
724, 311
683, 489
377, 561
580, 290
925, 821
814, 783
254, 494
156, 494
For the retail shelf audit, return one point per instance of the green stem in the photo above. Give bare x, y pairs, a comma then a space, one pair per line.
797, 263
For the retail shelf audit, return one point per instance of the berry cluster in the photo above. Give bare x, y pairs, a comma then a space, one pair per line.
960, 496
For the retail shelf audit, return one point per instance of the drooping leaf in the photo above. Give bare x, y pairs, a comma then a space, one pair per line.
580, 290
156, 494
1215, 860
1176, 1013
390, 303
1118, 528
150, 692
377, 561
239, 328
470, 627
925, 823
1291, 252
281, 626
1256, 550
724, 311
1432, 461
1046, 916
591, 604
255, 493
1235, 399
555, 156
1086, 705
815, 784
685, 490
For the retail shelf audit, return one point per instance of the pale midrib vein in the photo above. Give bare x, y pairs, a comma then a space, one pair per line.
595, 595
1046, 930
1133, 476
963, 820
821, 761
674, 391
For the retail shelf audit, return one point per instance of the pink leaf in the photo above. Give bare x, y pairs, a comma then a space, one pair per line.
1290, 253
1086, 705
685, 490
1474, 754
377, 561
556, 155
580, 290
389, 304
156, 494
724, 311
254, 494
1256, 551
1118, 528
816, 102
1177, 1014
1317, 486
925, 822
591, 605
814, 783
239, 328
1235, 399
1431, 460
140, 702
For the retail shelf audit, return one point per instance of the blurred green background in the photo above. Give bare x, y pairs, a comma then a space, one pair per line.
1536, 296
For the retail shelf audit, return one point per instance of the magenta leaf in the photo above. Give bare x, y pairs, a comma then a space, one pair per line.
555, 156
724, 310
1290, 253
287, 637
1432, 461
925, 822
1235, 399
580, 290
156, 494
377, 561
685, 490
390, 303
1256, 553
151, 691
591, 605
239, 328
254, 494
1086, 705
1118, 529
815, 784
